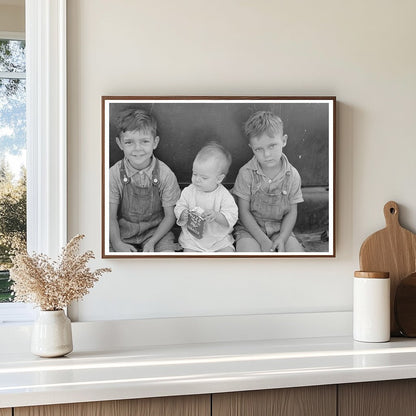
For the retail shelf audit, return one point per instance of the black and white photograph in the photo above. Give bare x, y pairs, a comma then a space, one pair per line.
218, 176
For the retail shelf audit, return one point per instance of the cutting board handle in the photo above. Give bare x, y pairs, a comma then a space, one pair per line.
391, 214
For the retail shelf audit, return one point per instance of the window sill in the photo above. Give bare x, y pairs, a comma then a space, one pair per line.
16, 313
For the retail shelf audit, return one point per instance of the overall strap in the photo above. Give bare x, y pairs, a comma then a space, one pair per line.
257, 181
123, 175
156, 173
285, 188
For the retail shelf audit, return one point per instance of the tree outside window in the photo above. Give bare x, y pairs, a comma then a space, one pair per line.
12, 156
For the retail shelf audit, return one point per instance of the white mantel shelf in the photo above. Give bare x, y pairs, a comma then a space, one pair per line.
151, 371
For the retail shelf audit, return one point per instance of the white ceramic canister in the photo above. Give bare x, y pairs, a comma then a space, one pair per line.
371, 308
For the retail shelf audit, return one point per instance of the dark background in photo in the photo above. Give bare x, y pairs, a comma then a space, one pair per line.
184, 128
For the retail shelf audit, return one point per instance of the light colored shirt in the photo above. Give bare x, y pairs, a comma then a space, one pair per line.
168, 185
245, 182
215, 236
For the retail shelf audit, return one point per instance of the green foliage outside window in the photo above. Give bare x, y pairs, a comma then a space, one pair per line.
12, 224
12, 147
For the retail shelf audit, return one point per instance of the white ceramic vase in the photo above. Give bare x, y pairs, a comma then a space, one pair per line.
52, 334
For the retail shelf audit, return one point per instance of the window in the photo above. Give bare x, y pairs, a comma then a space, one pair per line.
46, 135
12, 154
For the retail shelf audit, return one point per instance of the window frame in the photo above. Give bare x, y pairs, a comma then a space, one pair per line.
46, 121
12, 35
46, 125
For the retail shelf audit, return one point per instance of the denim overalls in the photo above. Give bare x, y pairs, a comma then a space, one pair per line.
141, 208
268, 209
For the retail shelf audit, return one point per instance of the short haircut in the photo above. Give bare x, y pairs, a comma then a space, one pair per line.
220, 153
135, 120
263, 122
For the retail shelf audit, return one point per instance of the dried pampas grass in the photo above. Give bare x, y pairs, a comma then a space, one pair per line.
53, 285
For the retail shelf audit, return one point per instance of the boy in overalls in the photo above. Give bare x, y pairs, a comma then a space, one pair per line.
143, 190
267, 189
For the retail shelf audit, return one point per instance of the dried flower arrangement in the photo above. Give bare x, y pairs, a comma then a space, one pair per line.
52, 285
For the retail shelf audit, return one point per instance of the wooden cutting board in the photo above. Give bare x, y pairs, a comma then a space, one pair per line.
393, 250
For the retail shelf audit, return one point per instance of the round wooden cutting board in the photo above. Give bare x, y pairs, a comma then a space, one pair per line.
392, 250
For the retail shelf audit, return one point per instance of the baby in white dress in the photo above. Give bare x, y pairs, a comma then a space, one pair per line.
206, 210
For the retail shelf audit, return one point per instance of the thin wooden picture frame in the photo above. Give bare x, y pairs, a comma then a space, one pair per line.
185, 124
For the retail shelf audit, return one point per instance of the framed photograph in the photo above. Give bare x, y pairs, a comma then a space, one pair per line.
218, 176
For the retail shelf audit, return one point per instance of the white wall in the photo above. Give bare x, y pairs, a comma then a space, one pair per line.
361, 52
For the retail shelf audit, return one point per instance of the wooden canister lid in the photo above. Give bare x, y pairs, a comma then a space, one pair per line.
372, 275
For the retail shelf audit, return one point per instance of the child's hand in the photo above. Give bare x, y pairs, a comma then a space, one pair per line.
266, 245
123, 247
149, 247
184, 216
279, 245
209, 215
